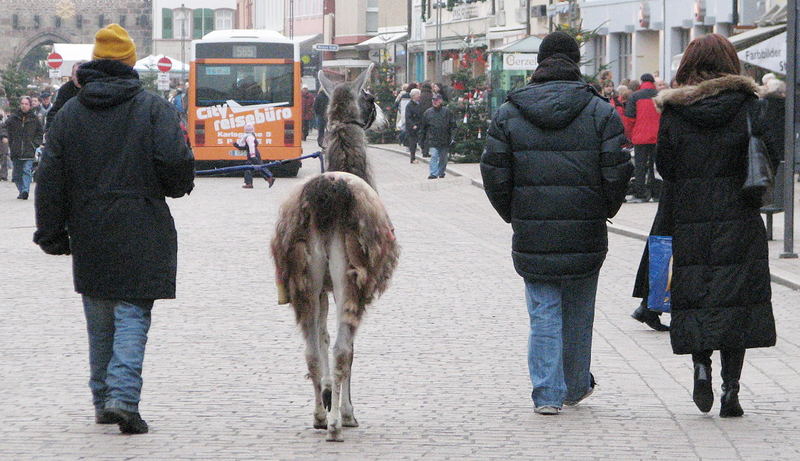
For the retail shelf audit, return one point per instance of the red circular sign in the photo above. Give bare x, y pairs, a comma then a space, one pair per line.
54, 60
164, 64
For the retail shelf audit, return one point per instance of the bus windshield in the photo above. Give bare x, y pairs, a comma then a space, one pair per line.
247, 84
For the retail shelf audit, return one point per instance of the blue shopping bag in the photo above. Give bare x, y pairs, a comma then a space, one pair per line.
660, 273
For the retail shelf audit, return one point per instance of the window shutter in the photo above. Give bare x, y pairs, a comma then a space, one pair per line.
166, 23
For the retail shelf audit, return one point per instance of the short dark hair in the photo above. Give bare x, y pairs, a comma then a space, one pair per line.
707, 57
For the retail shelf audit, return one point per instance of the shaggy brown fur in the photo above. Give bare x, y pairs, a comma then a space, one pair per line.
346, 144
690, 94
331, 204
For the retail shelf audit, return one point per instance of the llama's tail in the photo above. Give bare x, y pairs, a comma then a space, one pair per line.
329, 201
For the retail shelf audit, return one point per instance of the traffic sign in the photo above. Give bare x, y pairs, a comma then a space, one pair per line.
163, 81
164, 64
325, 47
54, 60
54, 73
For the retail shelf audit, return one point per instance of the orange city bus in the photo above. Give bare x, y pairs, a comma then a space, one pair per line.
245, 76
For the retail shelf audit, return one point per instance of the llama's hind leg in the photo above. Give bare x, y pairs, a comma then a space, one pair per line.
337, 266
324, 394
348, 418
309, 325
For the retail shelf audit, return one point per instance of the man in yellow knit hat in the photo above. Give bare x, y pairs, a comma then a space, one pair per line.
113, 153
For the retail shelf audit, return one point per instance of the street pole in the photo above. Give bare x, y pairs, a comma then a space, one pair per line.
291, 19
438, 70
527, 18
665, 61
183, 42
409, 18
790, 144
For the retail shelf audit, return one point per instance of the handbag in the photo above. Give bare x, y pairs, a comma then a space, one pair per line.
659, 296
758, 184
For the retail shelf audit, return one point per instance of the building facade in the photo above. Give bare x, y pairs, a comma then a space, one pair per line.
26, 25
175, 25
638, 36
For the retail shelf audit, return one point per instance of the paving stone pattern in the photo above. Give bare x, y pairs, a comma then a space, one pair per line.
440, 367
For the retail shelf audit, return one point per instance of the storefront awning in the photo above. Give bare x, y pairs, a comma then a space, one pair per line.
744, 40
526, 45
150, 64
347, 63
381, 40
769, 54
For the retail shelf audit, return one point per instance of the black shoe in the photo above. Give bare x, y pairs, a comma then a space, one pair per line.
129, 422
729, 402
441, 176
702, 395
638, 200
432, 177
101, 417
426, 155
649, 318
23, 196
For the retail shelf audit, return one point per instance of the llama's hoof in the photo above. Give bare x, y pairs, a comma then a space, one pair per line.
320, 423
349, 421
334, 434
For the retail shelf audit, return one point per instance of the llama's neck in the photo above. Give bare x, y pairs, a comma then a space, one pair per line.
346, 149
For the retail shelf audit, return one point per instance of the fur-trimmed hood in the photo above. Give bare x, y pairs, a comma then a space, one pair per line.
711, 103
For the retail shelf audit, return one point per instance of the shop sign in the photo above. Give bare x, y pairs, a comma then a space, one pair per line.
519, 61
465, 11
769, 54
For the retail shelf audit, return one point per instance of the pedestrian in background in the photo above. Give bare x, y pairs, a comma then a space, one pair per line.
45, 105
321, 112
67, 91
4, 160
308, 110
249, 144
437, 132
554, 168
642, 119
22, 132
414, 114
721, 296
401, 102
426, 102
113, 154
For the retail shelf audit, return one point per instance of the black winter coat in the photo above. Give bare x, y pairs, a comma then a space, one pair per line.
113, 154
721, 283
437, 128
414, 112
554, 168
24, 132
65, 93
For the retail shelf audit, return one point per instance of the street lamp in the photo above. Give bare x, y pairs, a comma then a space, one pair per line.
181, 19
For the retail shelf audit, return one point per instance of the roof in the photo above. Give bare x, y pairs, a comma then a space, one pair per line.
528, 44
245, 35
381, 40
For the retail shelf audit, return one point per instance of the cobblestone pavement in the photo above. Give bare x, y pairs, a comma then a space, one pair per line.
440, 369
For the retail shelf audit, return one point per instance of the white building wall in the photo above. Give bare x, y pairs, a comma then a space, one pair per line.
623, 16
270, 14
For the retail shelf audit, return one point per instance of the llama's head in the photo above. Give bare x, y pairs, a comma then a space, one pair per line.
351, 102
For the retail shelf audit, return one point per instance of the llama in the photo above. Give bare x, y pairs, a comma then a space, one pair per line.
334, 235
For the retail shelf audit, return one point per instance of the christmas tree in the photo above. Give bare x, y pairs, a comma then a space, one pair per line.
472, 116
383, 86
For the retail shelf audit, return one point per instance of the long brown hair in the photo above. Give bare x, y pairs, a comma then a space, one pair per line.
707, 57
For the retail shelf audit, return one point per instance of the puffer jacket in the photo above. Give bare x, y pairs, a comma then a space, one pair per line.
721, 295
437, 128
554, 168
24, 132
113, 154
641, 116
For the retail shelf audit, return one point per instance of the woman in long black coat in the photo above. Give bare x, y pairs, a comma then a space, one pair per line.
721, 283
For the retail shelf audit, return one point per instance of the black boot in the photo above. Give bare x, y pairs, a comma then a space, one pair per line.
129, 422
703, 395
729, 401
649, 318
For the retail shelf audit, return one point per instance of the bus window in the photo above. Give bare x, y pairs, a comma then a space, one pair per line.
247, 84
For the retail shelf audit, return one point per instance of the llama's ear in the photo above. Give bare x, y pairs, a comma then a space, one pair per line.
362, 79
327, 85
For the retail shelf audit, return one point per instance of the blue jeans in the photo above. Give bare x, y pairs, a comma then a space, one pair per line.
560, 341
21, 175
117, 337
438, 160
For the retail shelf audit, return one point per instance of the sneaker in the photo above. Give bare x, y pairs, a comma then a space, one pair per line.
546, 410
129, 422
247, 186
592, 384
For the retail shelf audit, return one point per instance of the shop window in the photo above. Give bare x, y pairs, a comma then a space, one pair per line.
166, 23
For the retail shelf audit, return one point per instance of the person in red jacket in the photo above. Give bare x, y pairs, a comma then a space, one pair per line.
308, 110
641, 120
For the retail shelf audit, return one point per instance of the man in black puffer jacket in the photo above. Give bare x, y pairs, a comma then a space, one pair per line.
113, 153
554, 168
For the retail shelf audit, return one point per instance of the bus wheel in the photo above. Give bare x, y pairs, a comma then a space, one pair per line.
286, 170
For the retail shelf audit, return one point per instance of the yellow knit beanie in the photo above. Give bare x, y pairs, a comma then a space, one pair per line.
113, 42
